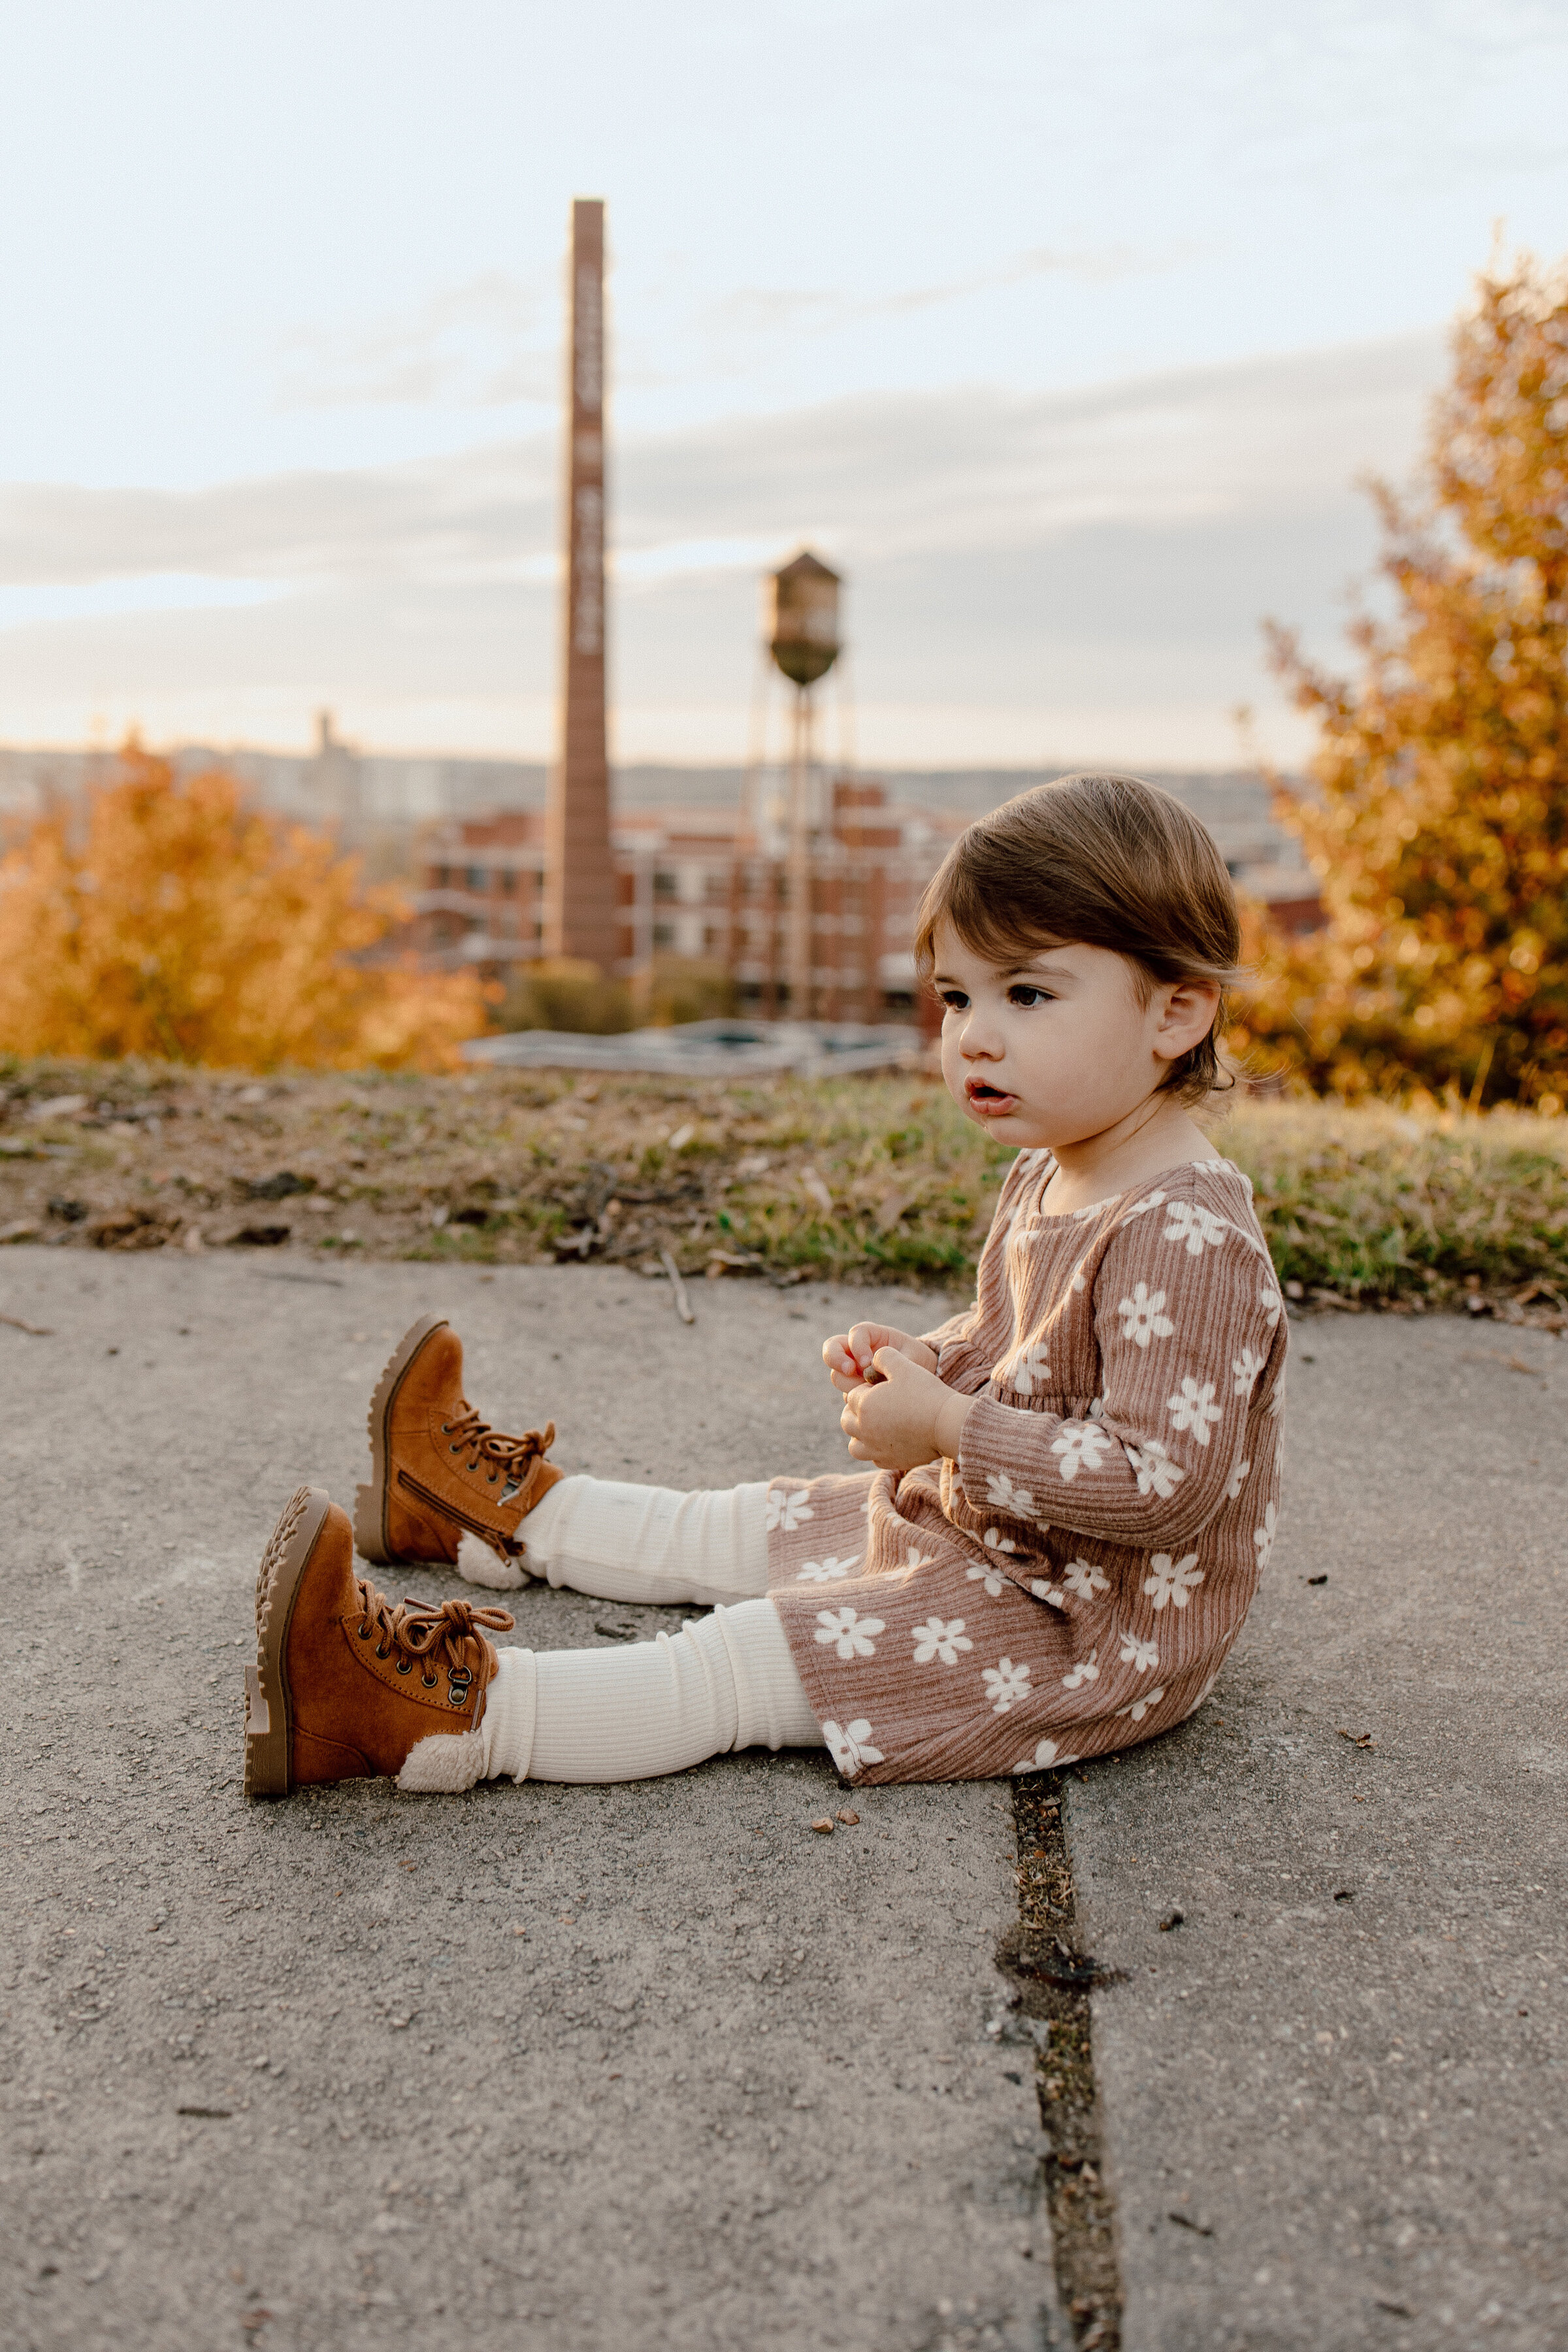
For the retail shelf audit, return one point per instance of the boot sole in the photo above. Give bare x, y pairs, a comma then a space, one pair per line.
372, 1502
267, 1701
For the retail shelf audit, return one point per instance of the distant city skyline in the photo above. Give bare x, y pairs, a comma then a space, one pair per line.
1066, 339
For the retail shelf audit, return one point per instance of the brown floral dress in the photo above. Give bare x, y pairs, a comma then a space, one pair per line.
1073, 1582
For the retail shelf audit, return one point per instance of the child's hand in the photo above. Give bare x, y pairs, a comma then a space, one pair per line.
848, 1355
908, 1418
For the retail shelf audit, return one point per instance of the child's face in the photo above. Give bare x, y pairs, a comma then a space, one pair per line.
1058, 1047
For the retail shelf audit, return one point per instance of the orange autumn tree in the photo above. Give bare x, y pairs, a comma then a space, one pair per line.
1438, 825
176, 920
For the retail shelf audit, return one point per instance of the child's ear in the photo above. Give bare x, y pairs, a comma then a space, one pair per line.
1188, 1017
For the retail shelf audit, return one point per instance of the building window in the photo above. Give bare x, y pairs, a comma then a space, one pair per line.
508, 880
476, 877
443, 874
664, 935
666, 886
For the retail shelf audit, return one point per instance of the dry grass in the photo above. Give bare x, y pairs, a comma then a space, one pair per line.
876, 1179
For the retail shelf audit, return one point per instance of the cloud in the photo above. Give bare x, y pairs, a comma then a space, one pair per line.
796, 311
485, 344
1016, 564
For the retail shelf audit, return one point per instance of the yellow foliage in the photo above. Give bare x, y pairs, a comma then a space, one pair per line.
1438, 819
177, 921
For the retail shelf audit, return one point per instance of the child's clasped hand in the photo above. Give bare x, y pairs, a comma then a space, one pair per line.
897, 1413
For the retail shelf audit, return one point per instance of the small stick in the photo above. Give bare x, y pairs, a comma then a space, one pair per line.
34, 1330
683, 1306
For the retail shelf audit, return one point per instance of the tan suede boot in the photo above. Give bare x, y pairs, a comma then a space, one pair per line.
436, 1469
347, 1683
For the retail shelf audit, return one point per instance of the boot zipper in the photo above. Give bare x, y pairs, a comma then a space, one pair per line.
445, 1510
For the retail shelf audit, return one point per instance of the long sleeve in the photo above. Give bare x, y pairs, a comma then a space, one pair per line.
1186, 1322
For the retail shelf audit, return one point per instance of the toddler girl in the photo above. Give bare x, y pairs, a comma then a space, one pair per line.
1072, 1485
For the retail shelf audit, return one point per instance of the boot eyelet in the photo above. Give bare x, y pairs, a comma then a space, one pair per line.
405, 1665
364, 1632
380, 1651
494, 1476
430, 1681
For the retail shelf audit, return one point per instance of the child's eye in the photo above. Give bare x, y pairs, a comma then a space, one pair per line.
954, 999
1020, 993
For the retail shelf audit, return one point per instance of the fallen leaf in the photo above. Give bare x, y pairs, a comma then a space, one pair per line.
851, 1821
824, 1828
1358, 1739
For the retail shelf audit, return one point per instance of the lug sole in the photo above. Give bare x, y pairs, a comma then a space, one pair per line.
373, 1503
268, 1702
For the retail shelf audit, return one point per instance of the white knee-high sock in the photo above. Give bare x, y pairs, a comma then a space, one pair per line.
723, 1682
621, 1542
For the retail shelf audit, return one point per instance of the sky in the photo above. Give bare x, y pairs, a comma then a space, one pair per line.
1066, 334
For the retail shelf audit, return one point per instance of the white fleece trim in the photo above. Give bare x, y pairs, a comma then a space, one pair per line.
444, 1761
479, 1563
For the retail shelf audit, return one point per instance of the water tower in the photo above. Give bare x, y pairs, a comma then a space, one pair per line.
801, 629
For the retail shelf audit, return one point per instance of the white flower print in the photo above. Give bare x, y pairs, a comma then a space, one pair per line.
1045, 1590
1002, 1496
1044, 1757
992, 1578
913, 1560
1096, 1409
1172, 1580
1086, 1671
1150, 1201
849, 1745
1268, 1299
1139, 1706
1194, 1408
1194, 1226
936, 1640
787, 1510
1142, 1316
825, 1571
1238, 1479
1263, 1537
1080, 1447
1079, 1279
1027, 1371
1276, 1401
1246, 1369
850, 1632
997, 1541
1139, 1655
1006, 1684
1156, 1470
1084, 1579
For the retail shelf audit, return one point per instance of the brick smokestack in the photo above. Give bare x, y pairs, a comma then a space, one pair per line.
580, 888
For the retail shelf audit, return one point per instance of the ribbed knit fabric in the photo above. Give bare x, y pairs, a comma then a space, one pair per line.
650, 1544
723, 1682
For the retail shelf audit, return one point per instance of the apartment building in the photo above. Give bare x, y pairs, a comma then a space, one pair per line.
706, 885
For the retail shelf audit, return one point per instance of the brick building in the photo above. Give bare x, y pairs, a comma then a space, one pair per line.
701, 887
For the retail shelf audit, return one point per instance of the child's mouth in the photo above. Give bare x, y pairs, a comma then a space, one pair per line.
988, 1101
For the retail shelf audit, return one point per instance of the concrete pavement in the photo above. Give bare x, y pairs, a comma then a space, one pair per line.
1335, 2096
290, 2076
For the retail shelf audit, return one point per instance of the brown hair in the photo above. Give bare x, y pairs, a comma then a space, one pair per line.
1106, 861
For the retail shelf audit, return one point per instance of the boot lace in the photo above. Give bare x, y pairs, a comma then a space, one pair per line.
449, 1639
487, 1447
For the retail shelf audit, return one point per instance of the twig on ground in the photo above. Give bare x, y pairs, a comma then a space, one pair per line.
34, 1330
683, 1306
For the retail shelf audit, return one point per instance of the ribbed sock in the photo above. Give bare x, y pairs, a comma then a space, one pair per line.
652, 1544
723, 1682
